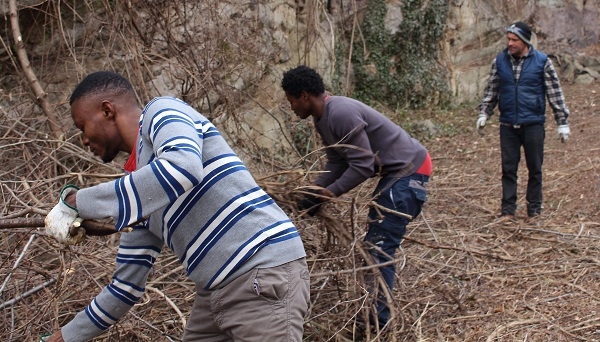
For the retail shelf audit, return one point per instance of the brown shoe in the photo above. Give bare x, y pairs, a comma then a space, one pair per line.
507, 219
534, 220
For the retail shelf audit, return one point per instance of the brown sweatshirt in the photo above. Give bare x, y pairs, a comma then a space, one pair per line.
363, 143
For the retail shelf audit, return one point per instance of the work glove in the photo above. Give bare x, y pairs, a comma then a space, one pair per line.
311, 202
481, 121
563, 132
62, 217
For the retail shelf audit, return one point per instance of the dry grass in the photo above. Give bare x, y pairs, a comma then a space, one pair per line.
463, 274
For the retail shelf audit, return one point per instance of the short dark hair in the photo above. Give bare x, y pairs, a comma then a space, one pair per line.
301, 79
100, 82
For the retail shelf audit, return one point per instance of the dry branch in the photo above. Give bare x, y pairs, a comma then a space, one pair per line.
40, 95
27, 293
92, 228
463, 274
171, 304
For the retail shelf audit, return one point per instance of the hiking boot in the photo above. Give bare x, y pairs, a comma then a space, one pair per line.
533, 220
507, 219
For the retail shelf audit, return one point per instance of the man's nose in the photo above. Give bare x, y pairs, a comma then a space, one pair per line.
85, 141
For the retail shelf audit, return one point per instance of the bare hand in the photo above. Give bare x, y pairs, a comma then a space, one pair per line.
71, 199
56, 337
328, 194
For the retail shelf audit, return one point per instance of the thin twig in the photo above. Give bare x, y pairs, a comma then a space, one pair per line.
28, 293
170, 302
17, 262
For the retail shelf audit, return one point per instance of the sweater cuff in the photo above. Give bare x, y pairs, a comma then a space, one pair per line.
80, 329
335, 189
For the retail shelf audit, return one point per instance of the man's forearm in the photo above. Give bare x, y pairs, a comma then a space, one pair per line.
56, 337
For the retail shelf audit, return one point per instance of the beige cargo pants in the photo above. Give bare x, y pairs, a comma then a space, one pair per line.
266, 304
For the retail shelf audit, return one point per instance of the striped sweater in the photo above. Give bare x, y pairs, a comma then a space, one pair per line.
199, 200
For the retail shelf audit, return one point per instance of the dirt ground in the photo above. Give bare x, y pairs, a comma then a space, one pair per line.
463, 274
466, 275
471, 277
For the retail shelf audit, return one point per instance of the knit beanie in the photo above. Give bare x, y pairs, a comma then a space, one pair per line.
522, 30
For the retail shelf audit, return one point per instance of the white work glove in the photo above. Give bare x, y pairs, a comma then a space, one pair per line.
62, 217
563, 132
481, 121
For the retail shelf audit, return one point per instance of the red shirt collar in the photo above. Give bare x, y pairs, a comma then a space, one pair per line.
130, 164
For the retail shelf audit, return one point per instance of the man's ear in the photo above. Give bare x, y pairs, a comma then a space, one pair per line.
109, 110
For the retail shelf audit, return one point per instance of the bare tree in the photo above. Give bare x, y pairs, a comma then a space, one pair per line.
40, 94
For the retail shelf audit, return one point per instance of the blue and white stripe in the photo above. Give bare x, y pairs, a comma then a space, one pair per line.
127, 292
128, 201
165, 117
215, 170
139, 255
278, 232
222, 221
101, 318
173, 179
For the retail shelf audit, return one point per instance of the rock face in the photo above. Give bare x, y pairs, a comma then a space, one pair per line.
226, 58
569, 23
578, 68
476, 34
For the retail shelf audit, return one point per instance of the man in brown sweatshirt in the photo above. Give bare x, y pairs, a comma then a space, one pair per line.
363, 143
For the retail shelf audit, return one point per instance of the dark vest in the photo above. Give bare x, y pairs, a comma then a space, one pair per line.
522, 102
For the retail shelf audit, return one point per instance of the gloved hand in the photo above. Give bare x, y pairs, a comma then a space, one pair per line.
310, 202
481, 121
563, 132
62, 217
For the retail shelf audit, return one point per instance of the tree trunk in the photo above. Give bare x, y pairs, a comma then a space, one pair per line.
40, 95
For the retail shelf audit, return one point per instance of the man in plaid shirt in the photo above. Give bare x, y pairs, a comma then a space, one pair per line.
520, 80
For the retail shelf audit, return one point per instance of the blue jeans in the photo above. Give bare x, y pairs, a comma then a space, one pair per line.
386, 230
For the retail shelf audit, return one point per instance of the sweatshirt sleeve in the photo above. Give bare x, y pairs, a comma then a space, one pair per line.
334, 167
176, 167
353, 148
137, 252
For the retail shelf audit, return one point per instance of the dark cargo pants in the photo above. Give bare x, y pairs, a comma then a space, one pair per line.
531, 137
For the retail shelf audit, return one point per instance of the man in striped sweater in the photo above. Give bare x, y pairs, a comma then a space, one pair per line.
186, 189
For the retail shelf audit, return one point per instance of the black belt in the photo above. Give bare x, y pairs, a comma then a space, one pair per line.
520, 125
511, 125
517, 126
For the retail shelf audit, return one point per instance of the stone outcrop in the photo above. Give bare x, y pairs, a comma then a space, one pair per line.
578, 68
227, 57
476, 34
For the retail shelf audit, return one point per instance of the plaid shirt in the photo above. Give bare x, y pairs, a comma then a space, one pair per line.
553, 90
